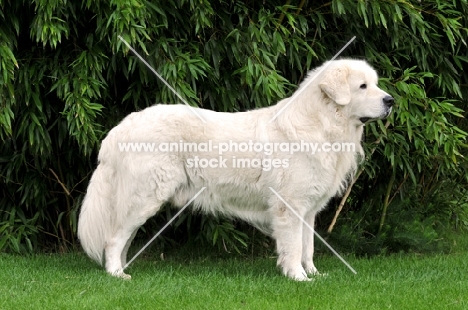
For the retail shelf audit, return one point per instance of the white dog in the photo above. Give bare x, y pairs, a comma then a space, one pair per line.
251, 163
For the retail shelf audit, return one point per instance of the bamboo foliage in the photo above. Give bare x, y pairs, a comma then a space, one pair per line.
66, 79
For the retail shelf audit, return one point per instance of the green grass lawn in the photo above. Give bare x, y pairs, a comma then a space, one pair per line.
72, 281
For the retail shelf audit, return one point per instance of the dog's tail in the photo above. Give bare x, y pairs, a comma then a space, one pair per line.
97, 217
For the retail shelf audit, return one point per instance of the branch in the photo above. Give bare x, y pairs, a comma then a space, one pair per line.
343, 201
60, 182
348, 191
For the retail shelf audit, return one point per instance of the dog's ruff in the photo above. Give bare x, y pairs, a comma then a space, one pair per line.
127, 188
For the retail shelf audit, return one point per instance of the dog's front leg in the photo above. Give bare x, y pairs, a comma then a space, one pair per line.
287, 231
308, 243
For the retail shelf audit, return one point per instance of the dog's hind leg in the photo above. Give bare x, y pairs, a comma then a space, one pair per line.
126, 229
139, 201
115, 248
123, 256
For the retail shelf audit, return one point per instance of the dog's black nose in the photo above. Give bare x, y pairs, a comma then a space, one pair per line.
388, 101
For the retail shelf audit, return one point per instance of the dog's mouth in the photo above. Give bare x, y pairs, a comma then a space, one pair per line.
388, 112
369, 119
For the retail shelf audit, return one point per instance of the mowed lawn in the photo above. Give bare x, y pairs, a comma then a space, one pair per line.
72, 281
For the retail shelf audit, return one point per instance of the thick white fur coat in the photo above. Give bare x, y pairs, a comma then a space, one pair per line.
129, 187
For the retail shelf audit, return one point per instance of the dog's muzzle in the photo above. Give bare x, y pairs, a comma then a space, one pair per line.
388, 101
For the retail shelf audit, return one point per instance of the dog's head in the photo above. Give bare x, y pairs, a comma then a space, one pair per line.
352, 84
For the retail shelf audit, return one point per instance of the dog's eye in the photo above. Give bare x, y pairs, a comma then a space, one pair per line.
363, 86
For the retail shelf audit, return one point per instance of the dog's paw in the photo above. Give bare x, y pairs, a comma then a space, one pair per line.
125, 276
311, 270
301, 278
297, 274
119, 273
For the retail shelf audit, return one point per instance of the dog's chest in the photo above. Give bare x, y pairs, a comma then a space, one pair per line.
319, 177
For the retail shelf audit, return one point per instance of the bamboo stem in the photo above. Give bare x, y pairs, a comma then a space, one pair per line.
348, 191
280, 19
387, 200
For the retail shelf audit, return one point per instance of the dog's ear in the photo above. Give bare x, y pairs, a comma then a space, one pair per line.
334, 84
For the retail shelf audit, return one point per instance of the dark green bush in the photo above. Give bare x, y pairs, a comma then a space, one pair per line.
66, 79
